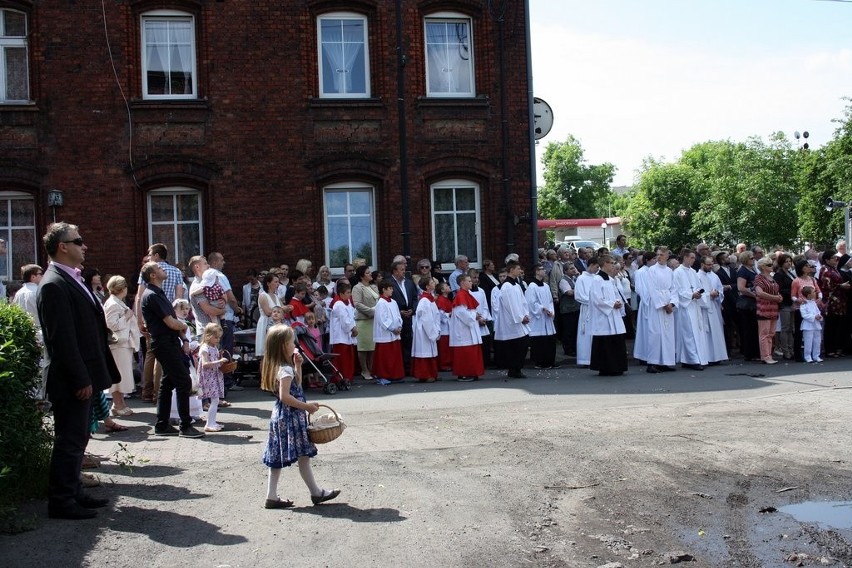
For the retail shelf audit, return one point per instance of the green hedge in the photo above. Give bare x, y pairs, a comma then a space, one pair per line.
26, 437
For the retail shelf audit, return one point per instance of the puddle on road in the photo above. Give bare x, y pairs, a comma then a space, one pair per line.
834, 514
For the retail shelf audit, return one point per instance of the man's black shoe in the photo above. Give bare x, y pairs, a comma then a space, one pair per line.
666, 369
90, 502
191, 432
517, 376
653, 369
167, 430
691, 366
72, 512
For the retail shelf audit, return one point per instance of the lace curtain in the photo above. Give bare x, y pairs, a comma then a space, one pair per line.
342, 43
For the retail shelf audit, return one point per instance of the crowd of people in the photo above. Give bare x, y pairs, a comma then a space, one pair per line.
693, 309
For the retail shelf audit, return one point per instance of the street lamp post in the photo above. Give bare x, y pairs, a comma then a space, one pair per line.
603, 227
831, 205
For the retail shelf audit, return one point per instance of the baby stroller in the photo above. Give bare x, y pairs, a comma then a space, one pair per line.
317, 366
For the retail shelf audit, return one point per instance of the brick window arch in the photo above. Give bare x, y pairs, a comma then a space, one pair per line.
449, 55
455, 222
168, 55
350, 232
175, 219
14, 56
18, 231
344, 55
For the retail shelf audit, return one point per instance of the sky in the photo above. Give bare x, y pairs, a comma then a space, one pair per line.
638, 78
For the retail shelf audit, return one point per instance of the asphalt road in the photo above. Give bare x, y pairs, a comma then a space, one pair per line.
561, 469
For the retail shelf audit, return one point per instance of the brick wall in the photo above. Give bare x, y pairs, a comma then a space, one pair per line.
258, 143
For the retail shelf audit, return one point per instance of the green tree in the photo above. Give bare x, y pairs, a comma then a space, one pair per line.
824, 173
666, 200
751, 191
573, 189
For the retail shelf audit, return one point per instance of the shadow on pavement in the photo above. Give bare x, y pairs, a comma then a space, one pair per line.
346, 511
159, 492
170, 529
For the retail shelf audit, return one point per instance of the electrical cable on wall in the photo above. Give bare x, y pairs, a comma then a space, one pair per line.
123, 96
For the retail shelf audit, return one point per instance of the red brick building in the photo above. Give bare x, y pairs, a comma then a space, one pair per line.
270, 131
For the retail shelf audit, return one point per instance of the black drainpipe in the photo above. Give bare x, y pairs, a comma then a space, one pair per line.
403, 135
504, 137
531, 130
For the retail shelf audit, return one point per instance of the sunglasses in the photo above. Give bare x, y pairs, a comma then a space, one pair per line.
78, 241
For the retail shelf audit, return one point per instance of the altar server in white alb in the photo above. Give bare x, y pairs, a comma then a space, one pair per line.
609, 337
640, 345
659, 324
711, 311
426, 329
484, 312
691, 338
343, 331
511, 327
542, 329
465, 339
584, 328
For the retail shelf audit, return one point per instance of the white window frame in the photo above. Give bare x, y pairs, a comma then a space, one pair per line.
168, 15
366, 49
457, 184
6, 228
174, 192
449, 18
349, 187
13, 42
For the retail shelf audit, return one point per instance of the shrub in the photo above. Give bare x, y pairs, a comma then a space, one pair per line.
25, 436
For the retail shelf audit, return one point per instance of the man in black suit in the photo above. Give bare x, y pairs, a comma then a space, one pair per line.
727, 274
582, 263
405, 295
79, 363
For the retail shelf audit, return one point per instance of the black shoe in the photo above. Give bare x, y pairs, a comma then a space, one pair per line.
90, 502
666, 369
191, 432
167, 430
466, 379
72, 512
695, 367
326, 496
653, 369
517, 376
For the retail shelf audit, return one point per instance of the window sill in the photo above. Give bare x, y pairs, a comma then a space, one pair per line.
19, 107
164, 104
170, 112
371, 102
481, 101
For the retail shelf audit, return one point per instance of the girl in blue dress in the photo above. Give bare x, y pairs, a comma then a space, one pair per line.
288, 440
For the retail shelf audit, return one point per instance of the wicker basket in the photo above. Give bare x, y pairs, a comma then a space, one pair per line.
325, 435
230, 366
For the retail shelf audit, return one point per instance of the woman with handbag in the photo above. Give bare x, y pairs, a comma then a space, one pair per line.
121, 320
747, 308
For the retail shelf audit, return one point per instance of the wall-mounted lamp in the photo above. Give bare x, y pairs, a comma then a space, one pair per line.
55, 199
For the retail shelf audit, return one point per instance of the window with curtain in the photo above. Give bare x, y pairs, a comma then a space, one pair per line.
349, 227
18, 230
449, 56
14, 64
168, 55
455, 222
344, 68
174, 219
